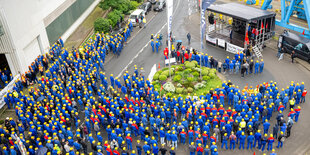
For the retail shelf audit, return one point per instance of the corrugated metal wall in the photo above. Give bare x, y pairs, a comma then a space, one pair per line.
66, 19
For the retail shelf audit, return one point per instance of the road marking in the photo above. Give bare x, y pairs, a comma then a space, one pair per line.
142, 28
131, 61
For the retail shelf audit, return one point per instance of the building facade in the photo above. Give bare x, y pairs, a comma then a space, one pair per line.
29, 27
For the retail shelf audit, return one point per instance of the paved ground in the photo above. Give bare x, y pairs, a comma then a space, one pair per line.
138, 52
186, 19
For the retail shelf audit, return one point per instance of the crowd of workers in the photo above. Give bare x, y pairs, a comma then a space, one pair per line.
76, 109
6, 77
243, 62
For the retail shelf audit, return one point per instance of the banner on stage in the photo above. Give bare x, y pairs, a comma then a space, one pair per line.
221, 42
211, 40
233, 48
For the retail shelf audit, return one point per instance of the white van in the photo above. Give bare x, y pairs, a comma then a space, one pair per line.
136, 14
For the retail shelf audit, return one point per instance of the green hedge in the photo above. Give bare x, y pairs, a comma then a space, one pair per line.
177, 78
190, 90
179, 90
162, 77
101, 25
114, 17
190, 64
156, 76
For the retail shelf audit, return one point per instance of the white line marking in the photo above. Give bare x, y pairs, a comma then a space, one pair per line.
142, 28
131, 61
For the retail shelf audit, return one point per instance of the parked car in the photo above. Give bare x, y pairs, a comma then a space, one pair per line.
152, 1
147, 7
136, 15
160, 5
301, 45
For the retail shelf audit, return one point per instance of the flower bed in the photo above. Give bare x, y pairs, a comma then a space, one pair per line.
185, 79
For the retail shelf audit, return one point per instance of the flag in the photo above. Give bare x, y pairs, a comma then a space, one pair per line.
204, 5
169, 21
303, 32
161, 88
266, 25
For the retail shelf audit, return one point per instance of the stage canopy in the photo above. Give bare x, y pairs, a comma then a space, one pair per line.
242, 12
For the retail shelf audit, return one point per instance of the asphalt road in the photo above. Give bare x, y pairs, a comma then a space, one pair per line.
186, 19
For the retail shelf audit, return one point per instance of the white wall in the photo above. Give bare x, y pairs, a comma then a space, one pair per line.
25, 21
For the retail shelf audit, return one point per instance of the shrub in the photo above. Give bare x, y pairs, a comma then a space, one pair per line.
195, 62
155, 82
179, 68
169, 87
162, 77
197, 69
173, 66
134, 4
115, 16
213, 70
190, 89
196, 74
185, 91
190, 65
106, 4
166, 72
204, 72
157, 86
205, 78
101, 25
164, 69
179, 90
156, 76
139, 1
125, 6
211, 75
190, 79
159, 72
177, 78
169, 94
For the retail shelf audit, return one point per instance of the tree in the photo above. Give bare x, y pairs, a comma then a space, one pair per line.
114, 17
106, 4
122, 5
102, 25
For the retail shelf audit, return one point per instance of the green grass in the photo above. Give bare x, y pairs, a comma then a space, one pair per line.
89, 21
212, 83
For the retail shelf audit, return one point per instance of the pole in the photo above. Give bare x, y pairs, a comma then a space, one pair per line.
264, 30
169, 22
201, 37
